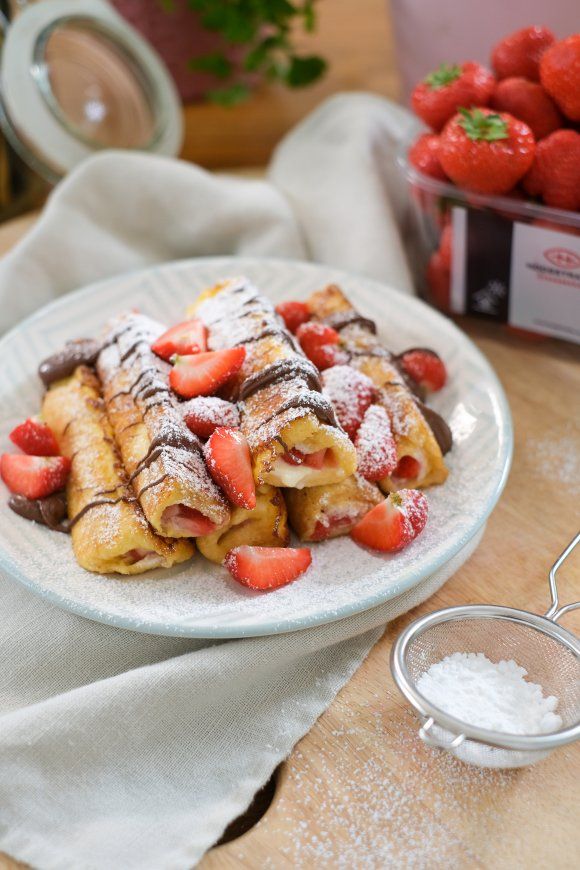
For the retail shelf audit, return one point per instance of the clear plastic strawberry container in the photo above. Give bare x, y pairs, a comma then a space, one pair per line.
501, 259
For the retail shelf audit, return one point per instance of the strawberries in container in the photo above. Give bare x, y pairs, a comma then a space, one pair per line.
501, 151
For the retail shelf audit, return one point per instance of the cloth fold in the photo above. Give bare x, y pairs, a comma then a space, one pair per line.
126, 750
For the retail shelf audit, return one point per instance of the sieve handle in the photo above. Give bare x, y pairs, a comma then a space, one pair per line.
431, 740
555, 611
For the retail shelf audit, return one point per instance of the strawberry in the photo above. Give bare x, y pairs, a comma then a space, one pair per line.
267, 567
375, 446
424, 156
408, 468
445, 241
519, 53
394, 523
204, 414
555, 174
202, 374
529, 102
424, 366
187, 337
35, 438
438, 279
312, 460
438, 97
560, 75
294, 314
34, 476
350, 393
318, 341
229, 462
485, 151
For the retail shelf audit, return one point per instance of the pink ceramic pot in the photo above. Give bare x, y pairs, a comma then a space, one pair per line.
177, 36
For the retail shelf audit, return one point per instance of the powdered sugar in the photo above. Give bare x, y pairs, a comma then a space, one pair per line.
492, 695
350, 392
375, 446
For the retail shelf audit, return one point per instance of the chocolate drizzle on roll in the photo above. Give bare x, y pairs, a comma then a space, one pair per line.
340, 319
82, 351
281, 370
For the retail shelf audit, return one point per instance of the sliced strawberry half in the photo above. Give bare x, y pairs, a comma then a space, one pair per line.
187, 520
408, 468
394, 523
350, 393
312, 460
375, 445
204, 414
202, 374
34, 476
318, 341
229, 462
35, 438
267, 567
185, 338
426, 367
294, 314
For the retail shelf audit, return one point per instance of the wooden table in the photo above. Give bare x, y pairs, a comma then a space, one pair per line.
360, 790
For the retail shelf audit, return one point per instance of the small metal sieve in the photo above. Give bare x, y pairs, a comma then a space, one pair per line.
549, 653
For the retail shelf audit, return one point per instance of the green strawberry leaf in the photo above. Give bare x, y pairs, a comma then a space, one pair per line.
482, 127
442, 76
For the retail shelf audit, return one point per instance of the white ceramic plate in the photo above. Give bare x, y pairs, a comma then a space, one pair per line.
200, 599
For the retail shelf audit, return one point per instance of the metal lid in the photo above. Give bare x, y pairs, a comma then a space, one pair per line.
76, 78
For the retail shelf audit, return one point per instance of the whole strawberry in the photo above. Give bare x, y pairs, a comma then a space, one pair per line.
519, 53
424, 156
485, 151
560, 75
437, 97
529, 102
555, 173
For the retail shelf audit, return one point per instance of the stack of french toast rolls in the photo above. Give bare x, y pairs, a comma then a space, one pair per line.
140, 492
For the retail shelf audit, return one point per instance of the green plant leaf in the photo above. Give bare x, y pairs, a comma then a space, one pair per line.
303, 71
215, 63
480, 126
230, 95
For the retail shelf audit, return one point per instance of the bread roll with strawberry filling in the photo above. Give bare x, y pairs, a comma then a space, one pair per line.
322, 512
421, 436
294, 437
163, 459
109, 531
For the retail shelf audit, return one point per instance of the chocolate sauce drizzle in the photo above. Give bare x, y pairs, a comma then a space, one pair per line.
340, 319
279, 371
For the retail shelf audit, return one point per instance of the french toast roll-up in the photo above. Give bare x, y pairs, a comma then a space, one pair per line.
266, 525
322, 512
108, 528
421, 435
294, 437
163, 459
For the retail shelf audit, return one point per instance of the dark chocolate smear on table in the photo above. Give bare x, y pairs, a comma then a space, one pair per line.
50, 511
441, 431
281, 370
82, 351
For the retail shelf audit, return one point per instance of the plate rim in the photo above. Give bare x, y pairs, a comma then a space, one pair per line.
505, 437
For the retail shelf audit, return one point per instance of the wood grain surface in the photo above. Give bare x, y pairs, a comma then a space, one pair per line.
360, 790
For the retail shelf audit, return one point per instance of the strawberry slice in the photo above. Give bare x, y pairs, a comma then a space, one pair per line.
318, 341
35, 438
394, 523
267, 567
181, 518
34, 476
312, 460
202, 374
294, 314
204, 414
350, 392
426, 367
375, 445
229, 462
185, 338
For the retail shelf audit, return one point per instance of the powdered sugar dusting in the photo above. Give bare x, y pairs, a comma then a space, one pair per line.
350, 392
375, 446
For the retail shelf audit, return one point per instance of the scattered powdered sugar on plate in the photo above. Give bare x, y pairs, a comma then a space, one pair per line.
198, 598
556, 458
493, 695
